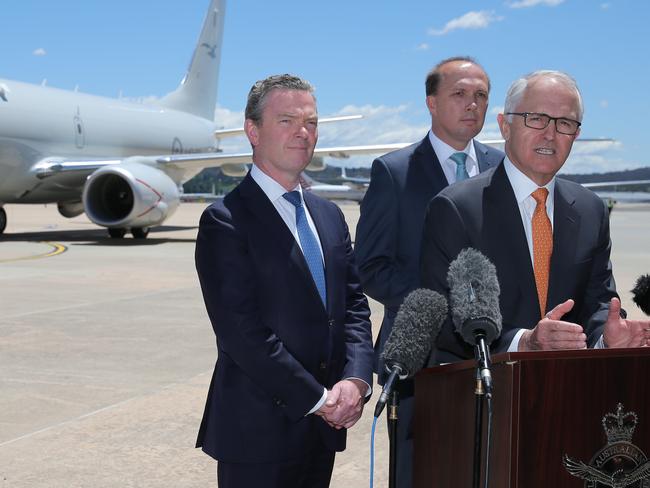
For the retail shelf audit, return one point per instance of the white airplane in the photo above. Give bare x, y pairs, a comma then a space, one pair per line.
122, 163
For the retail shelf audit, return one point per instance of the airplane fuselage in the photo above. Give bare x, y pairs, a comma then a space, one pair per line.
38, 122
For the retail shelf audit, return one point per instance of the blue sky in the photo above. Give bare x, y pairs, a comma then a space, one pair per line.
363, 56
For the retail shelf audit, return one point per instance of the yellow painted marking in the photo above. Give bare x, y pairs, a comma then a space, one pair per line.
56, 249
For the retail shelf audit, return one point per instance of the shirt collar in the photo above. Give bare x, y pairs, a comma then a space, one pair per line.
444, 150
522, 185
271, 188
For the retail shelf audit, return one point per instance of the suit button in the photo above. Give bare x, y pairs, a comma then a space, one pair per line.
323, 365
278, 402
331, 323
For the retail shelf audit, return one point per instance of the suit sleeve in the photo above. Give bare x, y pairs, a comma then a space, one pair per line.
358, 335
383, 277
229, 287
601, 287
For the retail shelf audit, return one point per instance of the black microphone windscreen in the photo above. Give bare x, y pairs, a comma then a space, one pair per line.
474, 296
641, 293
416, 327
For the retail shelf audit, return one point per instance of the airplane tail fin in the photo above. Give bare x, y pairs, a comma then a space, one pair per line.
197, 92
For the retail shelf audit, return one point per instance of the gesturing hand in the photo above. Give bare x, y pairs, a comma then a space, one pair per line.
620, 332
553, 333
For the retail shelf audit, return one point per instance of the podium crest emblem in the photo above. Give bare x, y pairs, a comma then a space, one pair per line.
620, 464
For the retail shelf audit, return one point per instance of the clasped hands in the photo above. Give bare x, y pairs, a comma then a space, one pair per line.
553, 333
344, 404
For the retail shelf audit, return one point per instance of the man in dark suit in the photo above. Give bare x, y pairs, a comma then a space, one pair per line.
547, 237
292, 325
392, 213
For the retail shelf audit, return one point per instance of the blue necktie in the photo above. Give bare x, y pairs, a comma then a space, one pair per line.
309, 244
461, 168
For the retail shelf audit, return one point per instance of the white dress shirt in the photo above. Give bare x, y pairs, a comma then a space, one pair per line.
523, 188
444, 151
275, 191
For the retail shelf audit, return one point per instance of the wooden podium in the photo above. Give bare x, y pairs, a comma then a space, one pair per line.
545, 405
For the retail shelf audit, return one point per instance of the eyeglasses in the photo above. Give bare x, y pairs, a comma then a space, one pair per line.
563, 125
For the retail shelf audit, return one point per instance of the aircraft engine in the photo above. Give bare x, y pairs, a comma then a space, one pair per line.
129, 195
70, 209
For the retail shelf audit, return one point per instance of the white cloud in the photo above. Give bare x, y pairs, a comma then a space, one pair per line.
534, 3
605, 6
380, 125
39, 52
422, 47
604, 103
470, 20
598, 157
498, 109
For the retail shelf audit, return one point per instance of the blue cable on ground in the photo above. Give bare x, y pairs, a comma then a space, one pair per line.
372, 450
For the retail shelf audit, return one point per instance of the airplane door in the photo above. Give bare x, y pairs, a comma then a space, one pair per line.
78, 127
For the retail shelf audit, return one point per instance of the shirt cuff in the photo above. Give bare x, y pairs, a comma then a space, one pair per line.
368, 389
514, 345
320, 402
600, 344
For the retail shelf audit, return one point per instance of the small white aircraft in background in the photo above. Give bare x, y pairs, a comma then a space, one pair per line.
122, 163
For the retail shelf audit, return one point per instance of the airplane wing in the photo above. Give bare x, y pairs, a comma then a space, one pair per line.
72, 173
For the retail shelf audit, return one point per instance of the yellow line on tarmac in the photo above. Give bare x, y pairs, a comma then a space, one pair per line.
56, 249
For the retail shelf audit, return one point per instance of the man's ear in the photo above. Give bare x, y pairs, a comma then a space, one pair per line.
504, 125
431, 104
252, 132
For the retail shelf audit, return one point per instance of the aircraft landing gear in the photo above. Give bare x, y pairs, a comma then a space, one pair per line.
116, 232
3, 220
120, 232
140, 232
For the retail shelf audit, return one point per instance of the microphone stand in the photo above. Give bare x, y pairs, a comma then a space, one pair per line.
478, 428
483, 391
392, 435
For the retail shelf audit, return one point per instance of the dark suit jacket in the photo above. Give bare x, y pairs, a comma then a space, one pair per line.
389, 231
482, 213
278, 346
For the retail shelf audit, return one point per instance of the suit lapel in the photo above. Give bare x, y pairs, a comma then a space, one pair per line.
485, 158
271, 228
427, 164
506, 236
566, 223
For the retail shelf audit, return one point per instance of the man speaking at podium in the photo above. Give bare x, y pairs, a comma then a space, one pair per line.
548, 237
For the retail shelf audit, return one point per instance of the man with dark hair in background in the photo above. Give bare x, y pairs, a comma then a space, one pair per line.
402, 183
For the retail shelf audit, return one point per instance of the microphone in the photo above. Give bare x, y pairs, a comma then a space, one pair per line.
414, 332
474, 298
641, 293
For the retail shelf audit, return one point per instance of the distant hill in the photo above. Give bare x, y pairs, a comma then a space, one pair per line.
213, 178
626, 175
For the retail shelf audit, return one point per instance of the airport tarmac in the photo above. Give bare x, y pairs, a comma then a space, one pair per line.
106, 352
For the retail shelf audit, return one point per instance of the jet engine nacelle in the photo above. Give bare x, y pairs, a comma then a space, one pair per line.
70, 209
130, 194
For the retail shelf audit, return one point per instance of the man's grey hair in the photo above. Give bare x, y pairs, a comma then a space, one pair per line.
518, 88
259, 91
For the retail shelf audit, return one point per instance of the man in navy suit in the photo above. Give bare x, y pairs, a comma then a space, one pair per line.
292, 325
557, 292
402, 183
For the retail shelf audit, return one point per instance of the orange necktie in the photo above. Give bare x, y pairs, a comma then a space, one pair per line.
542, 246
